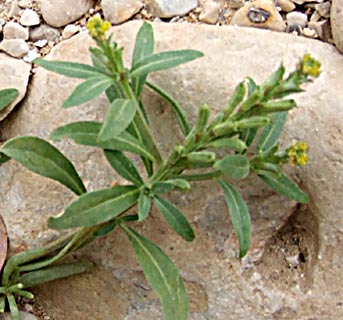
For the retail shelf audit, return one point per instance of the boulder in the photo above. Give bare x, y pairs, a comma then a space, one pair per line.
294, 264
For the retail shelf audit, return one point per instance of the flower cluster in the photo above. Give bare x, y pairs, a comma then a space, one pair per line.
97, 27
297, 153
309, 66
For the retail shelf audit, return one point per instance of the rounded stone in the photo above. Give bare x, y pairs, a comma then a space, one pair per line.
29, 18
286, 5
260, 14
296, 18
44, 32
119, 11
169, 9
13, 30
210, 12
17, 48
58, 13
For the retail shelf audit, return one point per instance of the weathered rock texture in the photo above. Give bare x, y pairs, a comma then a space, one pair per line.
272, 282
14, 74
337, 23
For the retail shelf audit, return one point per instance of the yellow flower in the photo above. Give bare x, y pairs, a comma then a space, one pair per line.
297, 153
310, 66
97, 27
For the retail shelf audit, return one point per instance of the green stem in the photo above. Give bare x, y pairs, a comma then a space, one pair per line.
200, 176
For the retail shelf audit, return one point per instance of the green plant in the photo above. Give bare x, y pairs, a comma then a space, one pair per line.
126, 129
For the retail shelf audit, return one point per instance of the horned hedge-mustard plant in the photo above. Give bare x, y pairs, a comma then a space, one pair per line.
252, 119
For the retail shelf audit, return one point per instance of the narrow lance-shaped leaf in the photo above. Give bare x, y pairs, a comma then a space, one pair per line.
144, 46
88, 90
41, 157
64, 270
162, 274
96, 207
70, 69
3, 158
169, 185
175, 218
144, 205
239, 214
270, 134
234, 166
284, 186
87, 132
118, 118
7, 96
124, 166
162, 61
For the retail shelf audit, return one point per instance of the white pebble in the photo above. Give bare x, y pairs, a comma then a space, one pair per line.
70, 30
31, 55
40, 43
29, 18
296, 18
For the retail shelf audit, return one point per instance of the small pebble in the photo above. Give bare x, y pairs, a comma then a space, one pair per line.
29, 18
44, 32
70, 30
296, 18
40, 43
315, 16
25, 4
310, 33
286, 5
323, 9
17, 48
210, 12
13, 30
236, 4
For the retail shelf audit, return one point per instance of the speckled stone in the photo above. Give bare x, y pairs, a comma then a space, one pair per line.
13, 30
17, 48
259, 14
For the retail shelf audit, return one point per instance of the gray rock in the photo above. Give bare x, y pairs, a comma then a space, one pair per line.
168, 9
119, 11
45, 32
13, 30
337, 23
209, 12
14, 74
259, 14
58, 13
227, 288
29, 18
69, 30
17, 48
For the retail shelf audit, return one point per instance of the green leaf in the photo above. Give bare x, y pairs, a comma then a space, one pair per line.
107, 228
144, 205
284, 186
7, 96
96, 207
239, 214
124, 166
162, 274
234, 166
99, 60
169, 185
64, 270
248, 136
3, 158
230, 143
41, 157
162, 61
177, 109
88, 90
270, 134
144, 46
118, 118
70, 69
86, 133
175, 218
13, 306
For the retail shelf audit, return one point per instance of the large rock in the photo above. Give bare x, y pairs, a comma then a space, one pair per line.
119, 11
337, 23
168, 9
58, 13
15, 74
294, 264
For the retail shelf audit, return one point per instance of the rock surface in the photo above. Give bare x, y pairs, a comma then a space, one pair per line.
119, 11
58, 13
44, 32
17, 48
263, 285
29, 18
209, 12
260, 14
13, 30
14, 74
168, 9
337, 23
